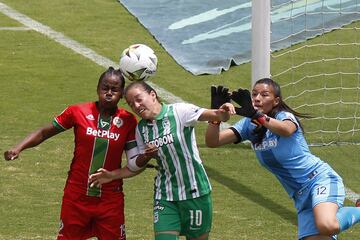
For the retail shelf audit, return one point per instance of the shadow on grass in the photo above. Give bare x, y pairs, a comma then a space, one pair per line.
252, 195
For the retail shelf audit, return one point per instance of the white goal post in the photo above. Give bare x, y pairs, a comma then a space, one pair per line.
319, 69
260, 40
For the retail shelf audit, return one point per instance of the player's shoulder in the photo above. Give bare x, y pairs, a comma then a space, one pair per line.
78, 108
181, 104
185, 107
282, 115
82, 105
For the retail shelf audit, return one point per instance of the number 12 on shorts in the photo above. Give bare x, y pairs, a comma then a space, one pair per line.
195, 218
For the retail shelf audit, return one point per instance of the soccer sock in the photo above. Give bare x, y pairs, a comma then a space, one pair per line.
187, 238
166, 237
348, 216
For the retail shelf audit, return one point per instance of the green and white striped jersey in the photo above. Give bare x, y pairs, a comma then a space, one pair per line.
181, 175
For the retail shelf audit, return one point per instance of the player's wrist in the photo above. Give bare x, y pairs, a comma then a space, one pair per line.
260, 118
214, 123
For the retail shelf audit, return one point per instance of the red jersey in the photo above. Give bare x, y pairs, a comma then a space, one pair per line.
99, 143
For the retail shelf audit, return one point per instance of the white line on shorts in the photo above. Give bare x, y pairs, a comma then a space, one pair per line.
100, 60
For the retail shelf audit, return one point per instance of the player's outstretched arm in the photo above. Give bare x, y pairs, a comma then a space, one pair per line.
103, 176
32, 140
135, 165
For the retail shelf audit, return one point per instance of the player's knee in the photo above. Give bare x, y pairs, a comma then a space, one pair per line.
204, 236
329, 227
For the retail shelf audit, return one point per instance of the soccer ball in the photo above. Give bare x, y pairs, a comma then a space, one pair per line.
138, 62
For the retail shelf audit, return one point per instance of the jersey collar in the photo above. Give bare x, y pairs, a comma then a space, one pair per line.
164, 109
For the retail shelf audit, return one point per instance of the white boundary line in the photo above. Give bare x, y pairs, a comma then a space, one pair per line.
98, 59
14, 29
75, 46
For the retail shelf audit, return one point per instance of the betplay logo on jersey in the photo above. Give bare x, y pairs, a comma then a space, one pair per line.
102, 133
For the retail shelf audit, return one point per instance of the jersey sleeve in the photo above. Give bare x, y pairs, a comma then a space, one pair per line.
242, 129
287, 116
64, 120
139, 141
130, 140
131, 148
188, 113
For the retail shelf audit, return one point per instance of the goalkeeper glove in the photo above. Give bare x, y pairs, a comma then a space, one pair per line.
219, 96
243, 98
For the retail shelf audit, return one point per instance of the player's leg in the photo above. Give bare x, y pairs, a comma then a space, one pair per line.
347, 217
166, 220
350, 210
328, 196
75, 218
307, 229
110, 219
196, 217
204, 236
171, 235
325, 218
317, 237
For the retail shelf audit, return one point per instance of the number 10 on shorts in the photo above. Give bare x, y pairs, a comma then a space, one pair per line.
195, 218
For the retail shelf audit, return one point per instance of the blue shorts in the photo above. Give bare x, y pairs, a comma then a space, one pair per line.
324, 187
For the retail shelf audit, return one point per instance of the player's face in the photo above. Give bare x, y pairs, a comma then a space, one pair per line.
263, 98
143, 103
109, 92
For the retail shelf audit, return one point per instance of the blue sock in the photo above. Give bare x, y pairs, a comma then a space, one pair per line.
348, 216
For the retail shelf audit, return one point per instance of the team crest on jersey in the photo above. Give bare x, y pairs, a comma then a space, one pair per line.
103, 123
166, 126
90, 117
118, 122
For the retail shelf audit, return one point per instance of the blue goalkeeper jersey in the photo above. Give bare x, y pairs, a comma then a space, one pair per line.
288, 158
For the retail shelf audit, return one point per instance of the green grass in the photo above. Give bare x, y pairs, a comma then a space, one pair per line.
39, 77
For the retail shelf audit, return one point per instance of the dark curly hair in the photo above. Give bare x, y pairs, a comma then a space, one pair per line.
282, 106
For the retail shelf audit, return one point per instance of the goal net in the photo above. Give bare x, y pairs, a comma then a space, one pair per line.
320, 76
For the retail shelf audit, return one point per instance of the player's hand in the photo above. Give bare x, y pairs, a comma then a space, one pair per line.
100, 177
151, 151
219, 96
243, 98
11, 155
228, 107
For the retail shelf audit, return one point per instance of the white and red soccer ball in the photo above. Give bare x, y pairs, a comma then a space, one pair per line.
138, 62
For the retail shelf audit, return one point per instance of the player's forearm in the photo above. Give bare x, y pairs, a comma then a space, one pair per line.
37, 137
124, 172
212, 135
142, 160
214, 115
30, 141
282, 128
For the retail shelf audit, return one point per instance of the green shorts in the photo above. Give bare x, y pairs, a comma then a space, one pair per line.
191, 218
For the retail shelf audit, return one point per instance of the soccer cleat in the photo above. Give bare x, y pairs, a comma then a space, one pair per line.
357, 204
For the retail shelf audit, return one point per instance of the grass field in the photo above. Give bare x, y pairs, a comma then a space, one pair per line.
39, 77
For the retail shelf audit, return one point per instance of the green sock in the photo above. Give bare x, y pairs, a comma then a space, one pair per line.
166, 236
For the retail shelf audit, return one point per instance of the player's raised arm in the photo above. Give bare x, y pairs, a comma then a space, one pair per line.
32, 140
221, 108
